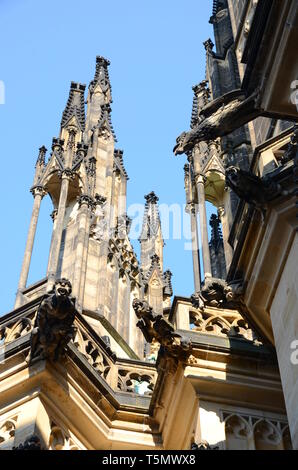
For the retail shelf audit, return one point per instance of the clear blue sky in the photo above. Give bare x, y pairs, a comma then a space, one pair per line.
156, 53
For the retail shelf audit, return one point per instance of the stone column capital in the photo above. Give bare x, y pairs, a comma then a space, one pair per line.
200, 178
85, 200
67, 173
191, 208
38, 191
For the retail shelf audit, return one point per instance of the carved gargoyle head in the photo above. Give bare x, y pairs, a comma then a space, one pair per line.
181, 143
141, 308
62, 288
232, 175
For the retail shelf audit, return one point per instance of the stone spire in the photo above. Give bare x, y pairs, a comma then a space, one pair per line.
99, 94
158, 287
102, 73
40, 165
151, 237
74, 112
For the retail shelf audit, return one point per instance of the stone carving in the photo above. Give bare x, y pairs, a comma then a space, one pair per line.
93, 353
204, 445
53, 327
8, 429
85, 199
228, 324
66, 173
16, 329
292, 148
219, 118
80, 154
75, 106
256, 430
217, 293
105, 128
60, 439
38, 190
31, 443
252, 189
136, 381
123, 258
155, 326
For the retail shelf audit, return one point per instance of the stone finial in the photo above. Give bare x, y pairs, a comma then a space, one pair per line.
151, 198
208, 45
102, 61
41, 159
57, 145
101, 75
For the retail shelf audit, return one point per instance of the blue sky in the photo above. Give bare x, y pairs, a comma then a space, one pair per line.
156, 53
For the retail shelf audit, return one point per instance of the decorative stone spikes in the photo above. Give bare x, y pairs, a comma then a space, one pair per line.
105, 124
75, 106
101, 75
41, 159
119, 165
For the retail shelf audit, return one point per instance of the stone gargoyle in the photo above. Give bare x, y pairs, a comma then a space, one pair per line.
219, 118
156, 327
218, 293
53, 327
252, 189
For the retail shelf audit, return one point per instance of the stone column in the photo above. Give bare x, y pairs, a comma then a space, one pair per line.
83, 217
199, 178
85, 259
66, 175
195, 246
225, 235
38, 193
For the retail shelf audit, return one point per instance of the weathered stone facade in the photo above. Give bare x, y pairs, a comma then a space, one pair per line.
97, 355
